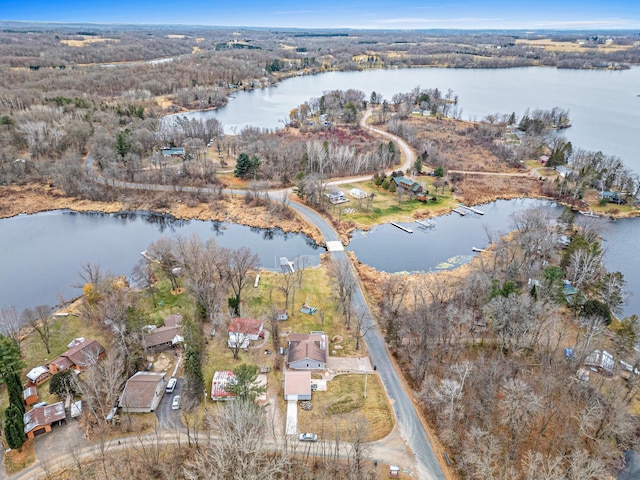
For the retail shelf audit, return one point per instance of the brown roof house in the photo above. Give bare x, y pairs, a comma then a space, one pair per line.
143, 392
82, 353
163, 337
297, 385
307, 351
40, 419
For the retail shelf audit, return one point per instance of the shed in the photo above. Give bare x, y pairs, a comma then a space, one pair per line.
358, 193
297, 385
282, 315
30, 396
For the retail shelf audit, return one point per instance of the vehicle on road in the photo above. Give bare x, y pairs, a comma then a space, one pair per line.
171, 385
308, 437
175, 404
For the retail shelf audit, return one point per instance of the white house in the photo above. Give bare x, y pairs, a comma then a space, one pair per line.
307, 351
244, 330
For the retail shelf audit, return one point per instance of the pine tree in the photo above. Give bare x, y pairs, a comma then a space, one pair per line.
14, 427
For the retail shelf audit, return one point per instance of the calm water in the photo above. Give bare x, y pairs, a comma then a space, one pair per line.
445, 246
603, 105
42, 254
45, 252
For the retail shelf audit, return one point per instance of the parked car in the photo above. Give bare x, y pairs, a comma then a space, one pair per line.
314, 387
308, 437
171, 385
175, 404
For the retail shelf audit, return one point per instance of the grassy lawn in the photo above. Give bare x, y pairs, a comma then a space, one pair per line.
386, 207
15, 461
335, 411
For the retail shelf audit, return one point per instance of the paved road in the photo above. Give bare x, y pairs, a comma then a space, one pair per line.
409, 423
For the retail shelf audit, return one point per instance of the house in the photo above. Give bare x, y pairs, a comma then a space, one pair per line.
38, 375
162, 338
297, 385
357, 193
613, 197
307, 351
82, 353
30, 396
282, 315
308, 309
219, 383
337, 197
244, 330
412, 187
142, 392
600, 361
40, 419
172, 152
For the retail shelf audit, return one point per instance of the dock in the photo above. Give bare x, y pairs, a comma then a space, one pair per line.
475, 249
462, 213
471, 209
426, 223
408, 230
286, 265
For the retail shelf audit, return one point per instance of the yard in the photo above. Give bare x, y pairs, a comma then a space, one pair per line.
337, 410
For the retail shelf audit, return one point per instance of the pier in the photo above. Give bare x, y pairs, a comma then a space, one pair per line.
426, 223
471, 209
286, 265
475, 249
408, 230
462, 213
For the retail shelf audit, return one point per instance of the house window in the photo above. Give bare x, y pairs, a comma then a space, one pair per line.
307, 365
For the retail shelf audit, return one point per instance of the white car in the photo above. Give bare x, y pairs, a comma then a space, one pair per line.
175, 404
171, 385
308, 437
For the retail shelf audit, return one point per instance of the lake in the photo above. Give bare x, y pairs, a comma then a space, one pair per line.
42, 254
604, 105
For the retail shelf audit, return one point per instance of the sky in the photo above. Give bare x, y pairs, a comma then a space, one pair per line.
369, 14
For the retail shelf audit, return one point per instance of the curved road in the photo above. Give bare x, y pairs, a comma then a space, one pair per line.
409, 421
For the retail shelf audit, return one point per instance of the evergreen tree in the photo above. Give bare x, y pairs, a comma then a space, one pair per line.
14, 427
244, 387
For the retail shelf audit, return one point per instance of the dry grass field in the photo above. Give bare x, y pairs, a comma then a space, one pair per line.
553, 46
87, 41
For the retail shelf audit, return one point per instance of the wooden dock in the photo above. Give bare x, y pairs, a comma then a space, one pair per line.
474, 210
462, 213
426, 223
408, 230
476, 249
286, 265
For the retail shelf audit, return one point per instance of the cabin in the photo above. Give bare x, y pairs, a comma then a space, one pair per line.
412, 187
297, 385
162, 338
142, 392
219, 383
38, 375
613, 197
39, 420
244, 330
307, 351
600, 361
337, 197
82, 353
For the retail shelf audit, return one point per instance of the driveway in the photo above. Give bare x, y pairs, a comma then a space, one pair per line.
349, 365
169, 419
